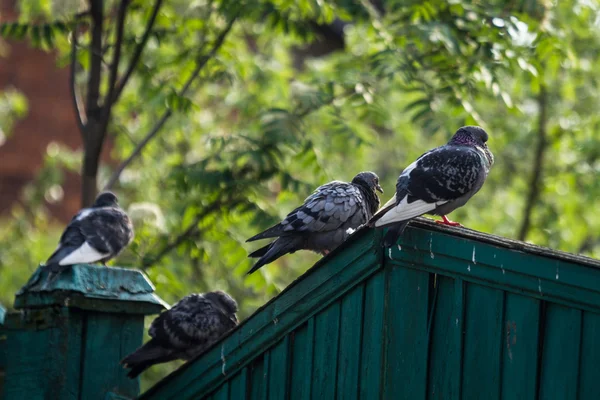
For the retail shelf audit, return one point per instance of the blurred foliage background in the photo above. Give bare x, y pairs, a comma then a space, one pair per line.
302, 92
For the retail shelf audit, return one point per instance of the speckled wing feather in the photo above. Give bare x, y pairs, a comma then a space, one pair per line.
190, 325
93, 235
328, 208
437, 177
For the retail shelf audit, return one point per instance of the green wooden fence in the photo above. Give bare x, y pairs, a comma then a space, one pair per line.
67, 337
448, 314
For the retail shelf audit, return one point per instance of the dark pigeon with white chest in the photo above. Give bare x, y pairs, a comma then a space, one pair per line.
324, 221
439, 182
95, 234
191, 326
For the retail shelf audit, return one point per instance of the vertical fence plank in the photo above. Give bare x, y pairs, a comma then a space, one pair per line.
222, 393
520, 347
278, 369
483, 335
589, 365
560, 356
349, 351
238, 385
257, 379
445, 349
302, 361
371, 376
406, 337
327, 332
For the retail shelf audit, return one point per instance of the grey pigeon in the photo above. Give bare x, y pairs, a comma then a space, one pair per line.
439, 182
191, 326
95, 234
324, 221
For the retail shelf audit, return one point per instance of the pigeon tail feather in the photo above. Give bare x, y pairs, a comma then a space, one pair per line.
149, 354
60, 253
394, 233
277, 249
272, 232
382, 211
260, 252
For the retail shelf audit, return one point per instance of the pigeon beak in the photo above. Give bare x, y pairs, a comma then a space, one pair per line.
379, 188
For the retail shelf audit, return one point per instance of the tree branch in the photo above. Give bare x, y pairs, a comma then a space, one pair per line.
188, 233
138, 51
114, 68
156, 129
536, 173
91, 142
93, 92
79, 113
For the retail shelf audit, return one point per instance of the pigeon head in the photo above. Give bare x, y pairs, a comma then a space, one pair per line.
106, 199
223, 302
368, 179
473, 136
470, 136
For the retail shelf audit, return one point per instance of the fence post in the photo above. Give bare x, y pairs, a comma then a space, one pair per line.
68, 335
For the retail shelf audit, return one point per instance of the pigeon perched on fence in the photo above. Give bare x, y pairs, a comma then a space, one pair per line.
440, 181
324, 221
186, 330
95, 234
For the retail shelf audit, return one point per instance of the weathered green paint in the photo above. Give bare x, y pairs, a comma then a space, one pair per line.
449, 314
445, 360
68, 336
407, 310
278, 369
302, 361
324, 371
520, 346
238, 385
258, 375
483, 343
371, 373
349, 346
90, 287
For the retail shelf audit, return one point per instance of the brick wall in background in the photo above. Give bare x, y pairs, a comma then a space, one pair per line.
50, 118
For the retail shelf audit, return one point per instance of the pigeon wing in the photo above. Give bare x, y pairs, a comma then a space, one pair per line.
107, 230
328, 208
190, 323
437, 177
333, 206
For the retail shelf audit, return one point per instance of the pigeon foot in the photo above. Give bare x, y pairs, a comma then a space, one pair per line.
446, 221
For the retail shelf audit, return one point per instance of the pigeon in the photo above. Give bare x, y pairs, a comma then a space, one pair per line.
438, 182
324, 221
95, 234
190, 327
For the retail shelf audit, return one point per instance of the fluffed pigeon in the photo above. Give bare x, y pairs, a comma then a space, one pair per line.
440, 181
95, 234
186, 330
324, 221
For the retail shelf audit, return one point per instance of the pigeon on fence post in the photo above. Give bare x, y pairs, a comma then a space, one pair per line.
190, 327
438, 182
324, 221
95, 234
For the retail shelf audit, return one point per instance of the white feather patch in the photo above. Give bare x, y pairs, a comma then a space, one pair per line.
84, 213
84, 254
404, 211
391, 201
408, 169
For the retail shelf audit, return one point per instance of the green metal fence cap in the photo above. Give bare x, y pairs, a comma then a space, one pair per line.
91, 287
